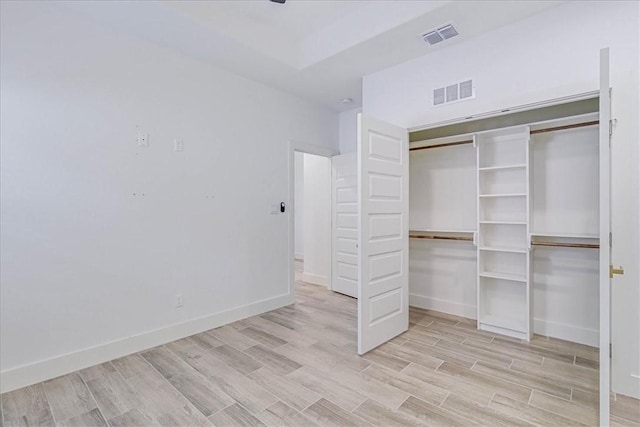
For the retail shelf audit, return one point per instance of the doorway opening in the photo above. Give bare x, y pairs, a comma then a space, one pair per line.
317, 256
312, 219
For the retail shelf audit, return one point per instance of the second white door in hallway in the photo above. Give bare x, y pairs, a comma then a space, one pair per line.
344, 195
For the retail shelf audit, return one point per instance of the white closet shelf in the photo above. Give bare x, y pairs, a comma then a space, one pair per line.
566, 235
504, 195
502, 249
504, 222
503, 322
433, 230
504, 276
497, 168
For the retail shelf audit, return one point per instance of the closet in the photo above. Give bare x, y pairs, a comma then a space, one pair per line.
503, 223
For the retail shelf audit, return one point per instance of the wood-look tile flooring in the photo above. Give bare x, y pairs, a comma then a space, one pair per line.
298, 366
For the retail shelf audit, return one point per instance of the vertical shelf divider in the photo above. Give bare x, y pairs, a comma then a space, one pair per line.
504, 298
476, 236
529, 203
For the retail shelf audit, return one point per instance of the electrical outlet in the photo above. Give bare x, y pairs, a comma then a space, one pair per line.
179, 301
178, 145
143, 139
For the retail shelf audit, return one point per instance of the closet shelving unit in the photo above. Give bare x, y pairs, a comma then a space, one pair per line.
504, 290
536, 187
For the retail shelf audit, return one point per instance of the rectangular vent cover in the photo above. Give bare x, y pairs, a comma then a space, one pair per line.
441, 34
455, 92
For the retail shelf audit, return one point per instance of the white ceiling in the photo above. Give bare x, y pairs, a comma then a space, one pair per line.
318, 49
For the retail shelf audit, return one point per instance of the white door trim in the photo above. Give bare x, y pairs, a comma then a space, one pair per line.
605, 228
507, 111
300, 147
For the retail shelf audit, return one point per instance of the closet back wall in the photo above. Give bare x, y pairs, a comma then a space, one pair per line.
442, 196
98, 234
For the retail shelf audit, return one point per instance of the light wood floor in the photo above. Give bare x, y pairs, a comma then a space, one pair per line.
298, 366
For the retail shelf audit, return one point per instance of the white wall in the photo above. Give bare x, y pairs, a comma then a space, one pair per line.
549, 55
317, 219
299, 204
98, 234
348, 130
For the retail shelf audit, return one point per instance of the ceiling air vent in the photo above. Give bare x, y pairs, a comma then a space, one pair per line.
442, 33
454, 92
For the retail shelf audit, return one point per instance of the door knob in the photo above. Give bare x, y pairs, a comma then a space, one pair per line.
613, 271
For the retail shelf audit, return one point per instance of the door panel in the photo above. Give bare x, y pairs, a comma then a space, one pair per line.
344, 270
383, 207
605, 227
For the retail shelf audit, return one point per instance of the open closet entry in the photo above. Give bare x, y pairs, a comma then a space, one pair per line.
525, 200
503, 223
508, 223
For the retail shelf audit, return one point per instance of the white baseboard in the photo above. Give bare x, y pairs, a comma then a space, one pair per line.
567, 332
628, 386
444, 306
315, 279
540, 326
22, 376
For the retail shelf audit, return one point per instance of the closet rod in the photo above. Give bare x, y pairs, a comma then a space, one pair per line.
432, 237
567, 245
448, 144
576, 125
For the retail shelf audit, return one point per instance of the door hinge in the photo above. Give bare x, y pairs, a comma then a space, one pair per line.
610, 350
610, 240
610, 128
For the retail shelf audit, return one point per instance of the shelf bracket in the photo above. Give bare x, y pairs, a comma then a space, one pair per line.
475, 239
475, 141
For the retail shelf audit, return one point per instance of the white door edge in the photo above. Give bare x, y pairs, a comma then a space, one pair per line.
605, 228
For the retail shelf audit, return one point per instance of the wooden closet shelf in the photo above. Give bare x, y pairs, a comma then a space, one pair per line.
554, 235
434, 237
575, 125
567, 245
447, 144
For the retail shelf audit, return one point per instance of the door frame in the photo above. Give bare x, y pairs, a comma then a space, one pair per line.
508, 110
301, 147
604, 111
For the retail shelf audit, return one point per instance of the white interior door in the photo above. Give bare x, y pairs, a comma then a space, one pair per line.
383, 237
344, 224
605, 241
